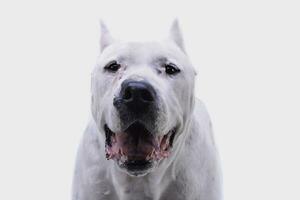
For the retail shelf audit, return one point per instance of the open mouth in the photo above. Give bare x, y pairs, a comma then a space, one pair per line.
137, 148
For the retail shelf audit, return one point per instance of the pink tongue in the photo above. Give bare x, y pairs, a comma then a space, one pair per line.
137, 146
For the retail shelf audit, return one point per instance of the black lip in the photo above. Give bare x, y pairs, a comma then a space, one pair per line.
137, 127
108, 134
137, 165
173, 133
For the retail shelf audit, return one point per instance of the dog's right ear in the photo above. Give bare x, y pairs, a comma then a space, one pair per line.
176, 35
106, 38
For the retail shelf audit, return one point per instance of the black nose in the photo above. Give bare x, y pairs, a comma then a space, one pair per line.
135, 95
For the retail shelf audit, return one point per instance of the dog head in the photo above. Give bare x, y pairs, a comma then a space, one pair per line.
142, 97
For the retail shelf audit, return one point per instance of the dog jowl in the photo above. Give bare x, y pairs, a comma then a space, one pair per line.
148, 134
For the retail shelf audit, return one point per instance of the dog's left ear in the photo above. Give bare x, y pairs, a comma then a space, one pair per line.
106, 38
176, 36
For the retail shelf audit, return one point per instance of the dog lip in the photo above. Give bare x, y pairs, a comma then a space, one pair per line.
108, 135
137, 126
136, 122
137, 165
137, 143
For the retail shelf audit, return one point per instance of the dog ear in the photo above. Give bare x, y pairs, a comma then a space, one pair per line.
106, 38
176, 36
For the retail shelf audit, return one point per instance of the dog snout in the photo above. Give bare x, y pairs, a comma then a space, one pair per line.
137, 91
137, 96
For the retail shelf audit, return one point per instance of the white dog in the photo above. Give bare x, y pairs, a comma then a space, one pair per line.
149, 137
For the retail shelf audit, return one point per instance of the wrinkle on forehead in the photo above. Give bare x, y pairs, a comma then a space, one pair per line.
138, 51
145, 53
141, 53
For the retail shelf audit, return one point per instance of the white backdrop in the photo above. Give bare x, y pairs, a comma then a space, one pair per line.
246, 54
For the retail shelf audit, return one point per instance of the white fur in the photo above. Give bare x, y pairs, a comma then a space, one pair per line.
192, 170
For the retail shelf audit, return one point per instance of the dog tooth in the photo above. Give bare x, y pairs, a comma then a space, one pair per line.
152, 153
121, 152
165, 154
123, 158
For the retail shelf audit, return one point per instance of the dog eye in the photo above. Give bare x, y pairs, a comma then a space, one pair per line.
112, 66
171, 69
